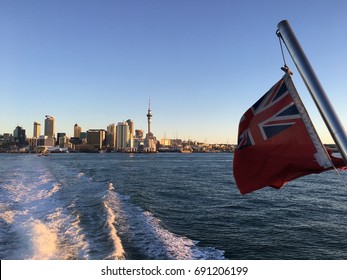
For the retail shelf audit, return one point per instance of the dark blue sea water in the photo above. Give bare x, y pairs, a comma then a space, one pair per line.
162, 206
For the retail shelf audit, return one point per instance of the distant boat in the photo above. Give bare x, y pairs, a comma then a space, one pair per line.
44, 153
186, 149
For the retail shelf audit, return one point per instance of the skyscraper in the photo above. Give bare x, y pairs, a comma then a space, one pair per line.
77, 131
111, 135
123, 134
131, 132
37, 130
19, 135
49, 131
49, 126
96, 137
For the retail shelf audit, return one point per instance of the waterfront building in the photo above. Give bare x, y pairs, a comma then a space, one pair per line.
60, 134
63, 142
165, 142
7, 137
49, 141
131, 127
6, 140
111, 136
139, 133
138, 144
96, 138
83, 137
37, 130
49, 126
42, 140
77, 131
32, 142
123, 135
50, 131
131, 133
19, 136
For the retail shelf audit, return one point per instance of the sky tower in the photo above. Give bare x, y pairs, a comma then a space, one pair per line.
149, 117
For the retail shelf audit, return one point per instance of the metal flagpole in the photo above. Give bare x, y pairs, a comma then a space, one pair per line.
313, 85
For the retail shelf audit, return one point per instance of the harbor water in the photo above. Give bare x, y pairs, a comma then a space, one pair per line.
162, 206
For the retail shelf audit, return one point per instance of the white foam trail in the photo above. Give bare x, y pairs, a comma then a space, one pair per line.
46, 193
147, 233
110, 186
7, 216
119, 250
180, 247
42, 227
111, 219
72, 243
44, 241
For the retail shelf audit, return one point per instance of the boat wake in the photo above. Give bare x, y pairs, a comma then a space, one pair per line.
66, 214
146, 233
37, 225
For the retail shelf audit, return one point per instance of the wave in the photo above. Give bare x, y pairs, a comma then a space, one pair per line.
50, 212
80, 175
37, 224
118, 252
146, 233
118, 247
44, 241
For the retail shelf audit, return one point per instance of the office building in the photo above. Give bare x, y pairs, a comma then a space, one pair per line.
49, 127
96, 138
50, 131
111, 136
19, 136
131, 132
139, 133
77, 131
123, 135
63, 141
37, 130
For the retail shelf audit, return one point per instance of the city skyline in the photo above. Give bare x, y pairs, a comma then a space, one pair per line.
201, 64
50, 131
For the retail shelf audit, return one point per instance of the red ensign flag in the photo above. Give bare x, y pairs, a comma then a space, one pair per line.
277, 141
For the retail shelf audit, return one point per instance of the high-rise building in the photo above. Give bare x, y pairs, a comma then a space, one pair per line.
42, 140
49, 126
131, 132
123, 135
131, 126
83, 136
96, 137
50, 141
37, 130
50, 131
59, 135
77, 131
19, 135
111, 136
63, 141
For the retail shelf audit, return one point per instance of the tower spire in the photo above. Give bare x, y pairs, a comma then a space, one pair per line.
149, 116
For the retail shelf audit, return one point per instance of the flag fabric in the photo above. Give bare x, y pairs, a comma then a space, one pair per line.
277, 141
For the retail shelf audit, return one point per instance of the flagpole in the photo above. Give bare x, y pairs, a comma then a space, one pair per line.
315, 88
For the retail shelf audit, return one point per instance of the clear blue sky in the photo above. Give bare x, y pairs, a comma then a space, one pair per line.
202, 63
